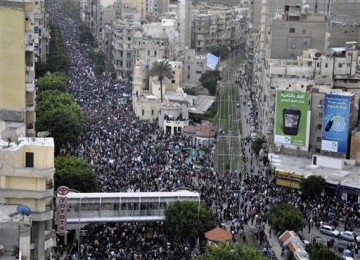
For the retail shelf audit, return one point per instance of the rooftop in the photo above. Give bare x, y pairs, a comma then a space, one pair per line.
349, 176
218, 234
23, 141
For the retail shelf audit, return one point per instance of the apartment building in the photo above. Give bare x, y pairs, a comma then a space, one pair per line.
214, 26
321, 76
17, 46
41, 32
122, 46
26, 178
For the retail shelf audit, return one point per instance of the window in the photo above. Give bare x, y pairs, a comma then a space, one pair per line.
152, 112
318, 138
143, 112
188, 67
198, 72
279, 8
317, 65
173, 81
155, 53
319, 126
304, 31
326, 65
188, 76
348, 64
309, 63
320, 114
291, 30
29, 159
305, 43
340, 65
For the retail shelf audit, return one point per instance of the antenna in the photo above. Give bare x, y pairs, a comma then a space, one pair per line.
43, 134
9, 136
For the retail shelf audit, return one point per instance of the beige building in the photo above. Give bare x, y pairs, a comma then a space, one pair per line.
41, 32
17, 88
27, 178
214, 26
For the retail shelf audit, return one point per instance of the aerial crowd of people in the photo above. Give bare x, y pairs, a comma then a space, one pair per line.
132, 155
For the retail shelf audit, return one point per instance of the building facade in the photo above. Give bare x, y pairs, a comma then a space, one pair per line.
27, 178
17, 80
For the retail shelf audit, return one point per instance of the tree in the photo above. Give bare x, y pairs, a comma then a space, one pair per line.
53, 81
320, 252
58, 113
188, 220
312, 186
284, 217
220, 51
161, 69
74, 173
86, 35
58, 56
224, 251
256, 144
209, 80
99, 60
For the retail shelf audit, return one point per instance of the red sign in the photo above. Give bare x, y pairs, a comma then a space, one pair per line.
63, 190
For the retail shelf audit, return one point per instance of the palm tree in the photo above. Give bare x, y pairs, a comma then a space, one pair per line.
161, 69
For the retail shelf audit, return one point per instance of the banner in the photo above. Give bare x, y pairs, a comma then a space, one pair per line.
335, 129
291, 117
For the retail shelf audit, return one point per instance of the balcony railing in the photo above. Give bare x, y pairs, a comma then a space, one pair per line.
29, 194
31, 172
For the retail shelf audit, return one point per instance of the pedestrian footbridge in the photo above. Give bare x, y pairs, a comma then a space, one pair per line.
84, 208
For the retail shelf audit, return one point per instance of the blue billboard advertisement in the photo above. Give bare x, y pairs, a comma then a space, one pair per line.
335, 129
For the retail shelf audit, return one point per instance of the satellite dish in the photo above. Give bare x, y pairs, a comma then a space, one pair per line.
9, 136
23, 210
43, 134
317, 54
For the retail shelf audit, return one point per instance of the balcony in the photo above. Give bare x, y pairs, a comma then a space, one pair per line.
42, 216
31, 172
29, 26
30, 132
29, 47
29, 194
30, 106
30, 86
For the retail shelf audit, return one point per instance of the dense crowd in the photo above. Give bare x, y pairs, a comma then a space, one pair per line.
131, 155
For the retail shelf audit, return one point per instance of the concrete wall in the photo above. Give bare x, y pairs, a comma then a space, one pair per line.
355, 146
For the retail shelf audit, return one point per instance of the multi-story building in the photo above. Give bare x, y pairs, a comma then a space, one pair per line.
41, 32
26, 178
214, 26
194, 67
90, 15
17, 99
123, 48
319, 74
139, 5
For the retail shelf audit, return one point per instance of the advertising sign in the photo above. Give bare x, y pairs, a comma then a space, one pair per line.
291, 117
62, 209
335, 129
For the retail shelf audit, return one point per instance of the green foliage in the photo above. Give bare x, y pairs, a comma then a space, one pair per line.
320, 252
40, 69
209, 80
211, 112
284, 217
53, 81
86, 36
190, 91
188, 220
99, 60
74, 173
71, 8
161, 69
224, 251
58, 56
220, 51
312, 186
58, 113
256, 144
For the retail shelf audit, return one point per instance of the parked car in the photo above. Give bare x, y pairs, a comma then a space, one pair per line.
329, 230
341, 246
318, 240
349, 236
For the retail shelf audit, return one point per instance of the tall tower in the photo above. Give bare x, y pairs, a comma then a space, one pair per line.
17, 72
184, 21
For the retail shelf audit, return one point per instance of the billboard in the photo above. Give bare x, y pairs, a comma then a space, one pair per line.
291, 117
335, 128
